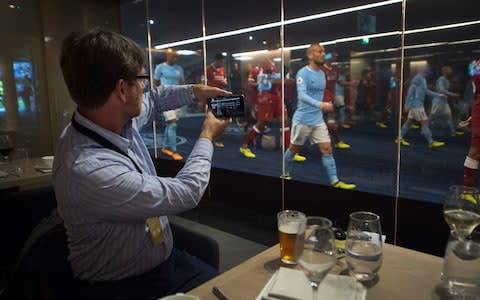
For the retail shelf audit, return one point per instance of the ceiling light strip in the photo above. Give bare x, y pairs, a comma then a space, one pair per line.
384, 34
276, 24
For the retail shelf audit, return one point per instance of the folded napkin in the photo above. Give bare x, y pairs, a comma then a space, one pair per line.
291, 284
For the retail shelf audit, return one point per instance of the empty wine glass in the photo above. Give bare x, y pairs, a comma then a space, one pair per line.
6, 146
363, 246
461, 209
318, 256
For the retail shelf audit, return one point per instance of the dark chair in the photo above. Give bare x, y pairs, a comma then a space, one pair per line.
42, 270
197, 244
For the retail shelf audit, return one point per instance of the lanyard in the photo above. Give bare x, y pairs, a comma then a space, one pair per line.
101, 140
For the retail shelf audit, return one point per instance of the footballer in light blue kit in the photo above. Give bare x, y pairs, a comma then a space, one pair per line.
170, 73
440, 106
414, 104
308, 122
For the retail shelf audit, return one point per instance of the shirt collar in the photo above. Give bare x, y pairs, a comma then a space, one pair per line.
122, 141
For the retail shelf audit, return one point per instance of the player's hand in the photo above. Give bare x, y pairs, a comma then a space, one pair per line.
465, 123
326, 106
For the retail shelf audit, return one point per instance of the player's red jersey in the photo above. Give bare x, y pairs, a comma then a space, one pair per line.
216, 76
267, 99
331, 77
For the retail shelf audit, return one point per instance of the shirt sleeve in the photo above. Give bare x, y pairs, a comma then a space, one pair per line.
163, 98
429, 91
158, 73
107, 189
443, 85
182, 74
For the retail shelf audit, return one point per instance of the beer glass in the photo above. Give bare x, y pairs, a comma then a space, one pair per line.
291, 231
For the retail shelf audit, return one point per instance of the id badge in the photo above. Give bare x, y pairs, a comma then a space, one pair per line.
156, 231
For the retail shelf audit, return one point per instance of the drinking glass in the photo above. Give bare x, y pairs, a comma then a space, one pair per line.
364, 246
291, 229
461, 267
461, 209
6, 146
319, 255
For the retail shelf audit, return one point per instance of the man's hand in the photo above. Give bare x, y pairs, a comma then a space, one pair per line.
212, 127
203, 92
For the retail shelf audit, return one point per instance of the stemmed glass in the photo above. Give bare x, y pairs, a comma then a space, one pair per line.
318, 256
6, 146
363, 246
461, 209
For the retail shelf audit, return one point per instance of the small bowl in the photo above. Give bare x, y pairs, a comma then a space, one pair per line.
47, 161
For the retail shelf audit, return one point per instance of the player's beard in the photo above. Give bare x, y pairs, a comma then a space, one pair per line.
319, 63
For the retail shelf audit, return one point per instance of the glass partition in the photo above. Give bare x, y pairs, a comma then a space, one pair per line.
375, 59
361, 43
176, 57
440, 43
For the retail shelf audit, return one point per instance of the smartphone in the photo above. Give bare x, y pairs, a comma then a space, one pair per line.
227, 106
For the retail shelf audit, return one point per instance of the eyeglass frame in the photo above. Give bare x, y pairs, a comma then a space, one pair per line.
143, 77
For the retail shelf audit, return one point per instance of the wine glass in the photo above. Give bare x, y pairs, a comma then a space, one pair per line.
319, 255
363, 246
6, 146
461, 209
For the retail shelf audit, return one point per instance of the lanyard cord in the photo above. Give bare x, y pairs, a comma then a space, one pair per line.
101, 140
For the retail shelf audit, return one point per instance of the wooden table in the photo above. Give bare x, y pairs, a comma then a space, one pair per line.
405, 274
30, 177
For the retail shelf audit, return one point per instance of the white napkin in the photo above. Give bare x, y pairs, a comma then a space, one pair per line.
291, 284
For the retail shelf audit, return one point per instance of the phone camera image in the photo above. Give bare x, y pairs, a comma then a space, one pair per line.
227, 106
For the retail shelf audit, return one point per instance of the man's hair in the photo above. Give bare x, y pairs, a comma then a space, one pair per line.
309, 50
219, 56
92, 62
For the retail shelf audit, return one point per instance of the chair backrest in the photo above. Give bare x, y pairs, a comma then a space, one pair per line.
197, 244
42, 270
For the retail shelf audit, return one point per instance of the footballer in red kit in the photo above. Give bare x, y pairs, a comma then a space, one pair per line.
332, 75
267, 104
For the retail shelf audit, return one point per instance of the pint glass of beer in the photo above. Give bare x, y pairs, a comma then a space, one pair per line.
291, 231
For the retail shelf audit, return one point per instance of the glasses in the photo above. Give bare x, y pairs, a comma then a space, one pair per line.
145, 78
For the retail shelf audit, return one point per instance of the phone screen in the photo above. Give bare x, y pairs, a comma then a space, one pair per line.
227, 106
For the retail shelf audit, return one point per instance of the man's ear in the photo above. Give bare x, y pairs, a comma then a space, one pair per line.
121, 89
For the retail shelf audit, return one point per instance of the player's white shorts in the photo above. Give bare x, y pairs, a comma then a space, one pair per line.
339, 100
418, 114
314, 133
171, 115
441, 109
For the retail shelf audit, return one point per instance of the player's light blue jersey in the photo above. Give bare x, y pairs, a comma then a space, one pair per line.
442, 86
417, 91
310, 90
167, 74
